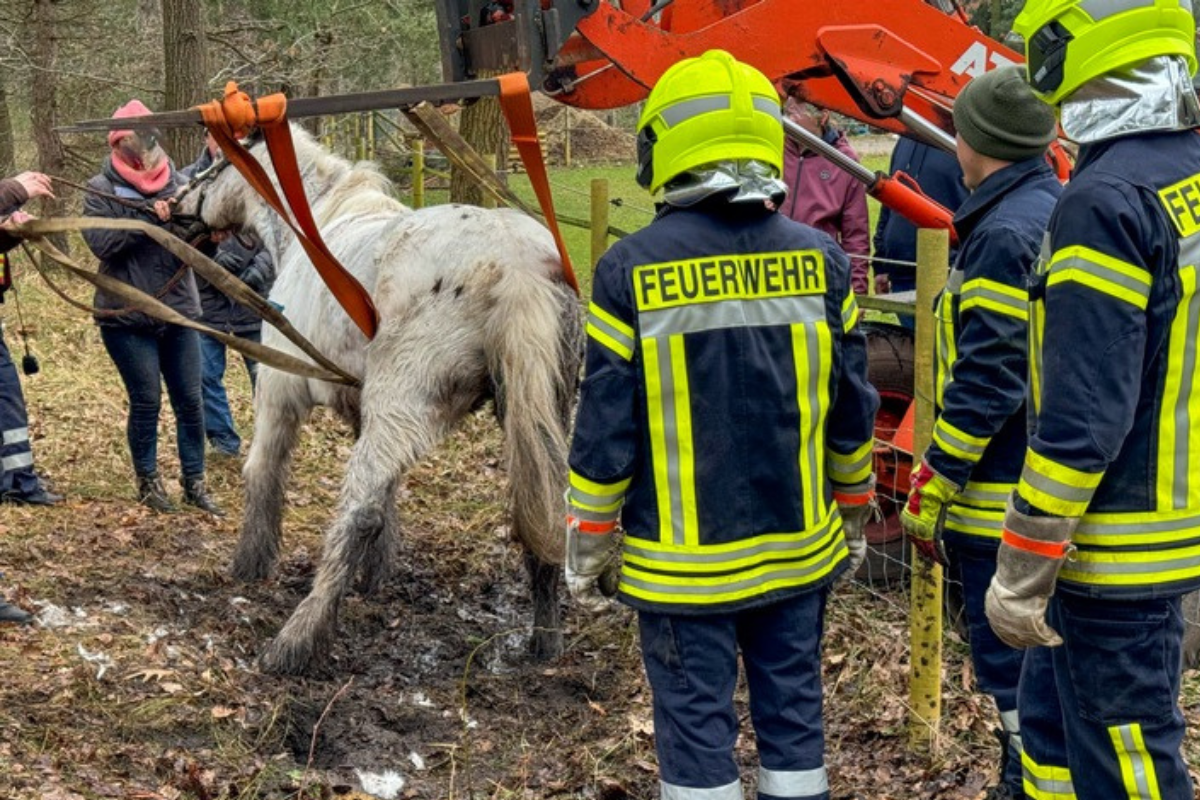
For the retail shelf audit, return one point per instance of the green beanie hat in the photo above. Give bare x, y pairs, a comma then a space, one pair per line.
1000, 116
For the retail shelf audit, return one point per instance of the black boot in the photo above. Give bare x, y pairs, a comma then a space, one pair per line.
153, 495
10, 613
1002, 791
195, 494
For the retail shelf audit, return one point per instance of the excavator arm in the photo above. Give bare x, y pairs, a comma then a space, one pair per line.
895, 64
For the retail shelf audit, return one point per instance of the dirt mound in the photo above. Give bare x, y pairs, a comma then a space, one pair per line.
592, 140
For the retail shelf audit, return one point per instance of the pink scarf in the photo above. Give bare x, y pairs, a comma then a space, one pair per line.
147, 181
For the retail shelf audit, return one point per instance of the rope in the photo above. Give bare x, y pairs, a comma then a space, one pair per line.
324, 369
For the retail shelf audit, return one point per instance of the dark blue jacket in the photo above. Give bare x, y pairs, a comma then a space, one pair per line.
1114, 337
725, 394
939, 176
981, 347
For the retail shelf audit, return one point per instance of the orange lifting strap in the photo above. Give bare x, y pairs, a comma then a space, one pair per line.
518, 111
232, 118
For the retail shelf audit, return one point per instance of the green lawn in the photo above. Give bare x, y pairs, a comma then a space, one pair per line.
630, 209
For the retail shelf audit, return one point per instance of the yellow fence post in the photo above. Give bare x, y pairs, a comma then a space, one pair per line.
489, 200
925, 613
599, 226
418, 172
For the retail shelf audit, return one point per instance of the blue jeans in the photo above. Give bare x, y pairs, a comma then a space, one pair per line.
692, 664
218, 420
146, 359
1100, 713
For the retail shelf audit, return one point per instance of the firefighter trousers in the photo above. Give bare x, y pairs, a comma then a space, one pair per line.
997, 666
17, 477
692, 665
1100, 717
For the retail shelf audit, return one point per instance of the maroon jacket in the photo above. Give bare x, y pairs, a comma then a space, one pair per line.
825, 197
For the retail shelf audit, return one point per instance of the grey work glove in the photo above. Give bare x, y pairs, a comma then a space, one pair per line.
593, 566
857, 505
1032, 551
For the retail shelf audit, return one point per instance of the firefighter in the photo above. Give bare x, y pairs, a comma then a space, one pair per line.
974, 461
19, 483
726, 420
1101, 537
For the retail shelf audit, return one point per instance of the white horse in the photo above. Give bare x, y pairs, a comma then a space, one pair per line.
472, 305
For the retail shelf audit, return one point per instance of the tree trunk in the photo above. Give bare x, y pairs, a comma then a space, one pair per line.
44, 96
8, 156
186, 75
482, 125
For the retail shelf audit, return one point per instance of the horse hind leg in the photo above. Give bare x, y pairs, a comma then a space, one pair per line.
276, 432
376, 555
392, 440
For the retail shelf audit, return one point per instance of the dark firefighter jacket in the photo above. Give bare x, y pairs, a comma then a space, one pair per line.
725, 393
1115, 323
981, 349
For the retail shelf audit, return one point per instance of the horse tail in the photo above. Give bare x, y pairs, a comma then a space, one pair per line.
534, 350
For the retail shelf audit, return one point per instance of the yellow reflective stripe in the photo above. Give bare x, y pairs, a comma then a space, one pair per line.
658, 436
988, 523
1045, 782
1137, 767
958, 442
811, 345
981, 494
849, 313
994, 296
1132, 568
854, 467
1055, 487
1179, 412
1101, 272
727, 573
945, 348
1037, 323
596, 496
610, 331
683, 434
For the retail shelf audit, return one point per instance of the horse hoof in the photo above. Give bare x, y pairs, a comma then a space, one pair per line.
250, 570
546, 645
286, 659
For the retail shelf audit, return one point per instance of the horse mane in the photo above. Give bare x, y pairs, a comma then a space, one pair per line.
339, 188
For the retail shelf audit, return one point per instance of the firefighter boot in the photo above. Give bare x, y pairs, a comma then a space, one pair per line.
10, 613
153, 495
196, 494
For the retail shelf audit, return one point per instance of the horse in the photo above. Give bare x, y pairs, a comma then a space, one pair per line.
473, 305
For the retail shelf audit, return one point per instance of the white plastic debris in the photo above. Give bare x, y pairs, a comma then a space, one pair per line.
417, 761
385, 785
102, 661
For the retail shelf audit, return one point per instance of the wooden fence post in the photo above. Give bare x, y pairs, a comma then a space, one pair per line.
418, 172
599, 217
925, 611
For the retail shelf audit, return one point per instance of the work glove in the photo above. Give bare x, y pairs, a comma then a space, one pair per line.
857, 505
593, 566
1032, 551
925, 512
187, 228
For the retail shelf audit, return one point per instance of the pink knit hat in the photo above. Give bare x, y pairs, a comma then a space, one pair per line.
134, 108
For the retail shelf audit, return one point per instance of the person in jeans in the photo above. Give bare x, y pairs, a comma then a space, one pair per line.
246, 259
136, 181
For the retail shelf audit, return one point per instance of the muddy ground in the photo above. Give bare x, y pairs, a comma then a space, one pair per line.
139, 681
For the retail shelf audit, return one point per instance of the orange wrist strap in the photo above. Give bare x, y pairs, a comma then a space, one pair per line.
1044, 549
